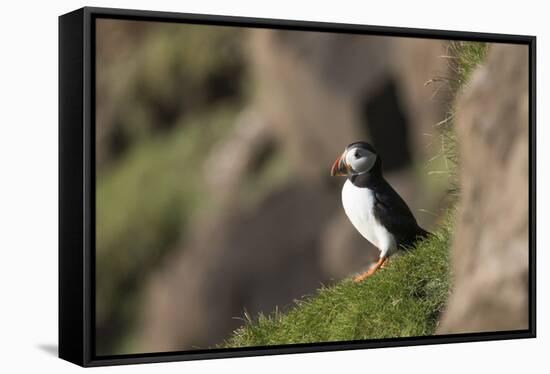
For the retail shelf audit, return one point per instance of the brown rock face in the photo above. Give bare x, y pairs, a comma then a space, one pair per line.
490, 250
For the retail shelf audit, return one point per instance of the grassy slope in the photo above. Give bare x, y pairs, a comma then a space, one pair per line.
405, 299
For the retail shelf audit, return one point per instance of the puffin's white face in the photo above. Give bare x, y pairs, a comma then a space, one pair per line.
360, 159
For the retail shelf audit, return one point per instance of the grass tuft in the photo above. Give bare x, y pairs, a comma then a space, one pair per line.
464, 58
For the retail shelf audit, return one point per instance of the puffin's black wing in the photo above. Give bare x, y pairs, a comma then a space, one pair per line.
394, 214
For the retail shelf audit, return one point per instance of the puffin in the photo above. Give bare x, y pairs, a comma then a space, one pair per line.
374, 208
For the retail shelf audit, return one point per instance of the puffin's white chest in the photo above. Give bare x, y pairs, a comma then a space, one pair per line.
358, 205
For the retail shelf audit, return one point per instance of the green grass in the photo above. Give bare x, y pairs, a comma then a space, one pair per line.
464, 58
404, 299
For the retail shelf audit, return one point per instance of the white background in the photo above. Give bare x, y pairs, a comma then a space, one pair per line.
28, 185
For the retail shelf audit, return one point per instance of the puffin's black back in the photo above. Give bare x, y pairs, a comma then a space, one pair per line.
389, 208
394, 214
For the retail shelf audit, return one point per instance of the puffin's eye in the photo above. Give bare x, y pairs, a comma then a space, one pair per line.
357, 155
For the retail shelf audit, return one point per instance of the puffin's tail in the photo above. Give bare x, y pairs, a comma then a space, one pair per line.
412, 240
422, 234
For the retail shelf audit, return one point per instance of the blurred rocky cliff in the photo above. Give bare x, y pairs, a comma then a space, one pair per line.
231, 207
490, 257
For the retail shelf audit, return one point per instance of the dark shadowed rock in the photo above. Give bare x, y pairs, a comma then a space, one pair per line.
321, 91
490, 250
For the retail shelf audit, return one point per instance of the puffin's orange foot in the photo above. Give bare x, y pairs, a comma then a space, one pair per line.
361, 277
365, 275
385, 263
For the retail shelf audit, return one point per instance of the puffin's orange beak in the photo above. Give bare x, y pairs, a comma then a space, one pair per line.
339, 168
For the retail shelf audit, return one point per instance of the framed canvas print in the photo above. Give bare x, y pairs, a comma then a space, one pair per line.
235, 186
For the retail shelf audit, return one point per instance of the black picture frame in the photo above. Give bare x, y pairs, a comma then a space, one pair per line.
77, 184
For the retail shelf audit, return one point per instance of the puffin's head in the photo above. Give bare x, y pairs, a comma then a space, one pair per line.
358, 158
